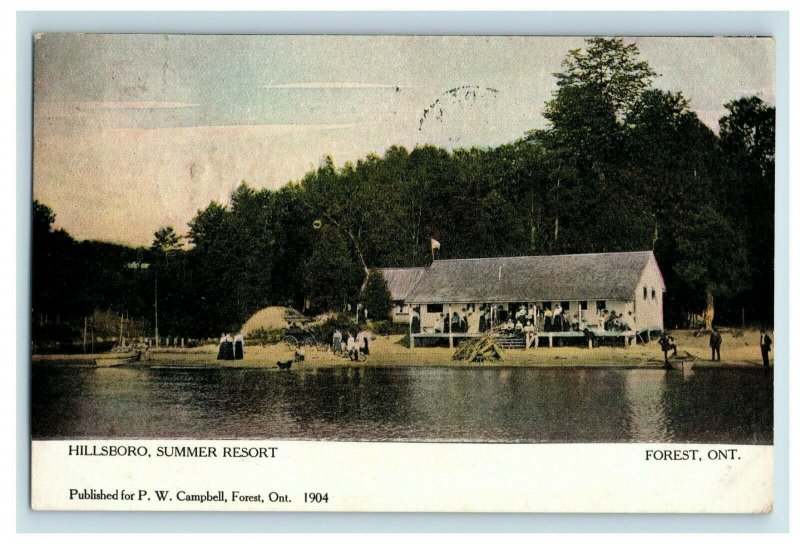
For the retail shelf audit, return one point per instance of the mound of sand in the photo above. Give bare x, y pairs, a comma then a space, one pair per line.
269, 318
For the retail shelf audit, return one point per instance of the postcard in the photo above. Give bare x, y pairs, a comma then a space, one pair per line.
403, 273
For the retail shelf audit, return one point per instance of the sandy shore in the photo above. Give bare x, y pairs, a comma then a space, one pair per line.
742, 351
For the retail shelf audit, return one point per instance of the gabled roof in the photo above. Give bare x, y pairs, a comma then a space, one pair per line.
590, 276
401, 280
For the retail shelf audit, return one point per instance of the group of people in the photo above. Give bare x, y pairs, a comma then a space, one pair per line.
354, 345
764, 342
231, 346
667, 343
524, 318
615, 322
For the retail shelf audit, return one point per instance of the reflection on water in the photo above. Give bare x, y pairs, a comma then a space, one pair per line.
405, 404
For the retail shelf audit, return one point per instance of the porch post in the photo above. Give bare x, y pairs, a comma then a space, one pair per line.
411, 326
450, 323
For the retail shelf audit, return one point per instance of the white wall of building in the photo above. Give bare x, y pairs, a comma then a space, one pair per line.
649, 300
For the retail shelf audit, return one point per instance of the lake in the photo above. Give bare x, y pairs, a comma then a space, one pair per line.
536, 405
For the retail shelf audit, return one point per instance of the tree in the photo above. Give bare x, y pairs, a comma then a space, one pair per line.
166, 239
711, 260
332, 276
43, 219
749, 131
596, 92
747, 134
376, 298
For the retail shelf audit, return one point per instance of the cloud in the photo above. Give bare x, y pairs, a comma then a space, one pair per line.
336, 85
70, 108
232, 131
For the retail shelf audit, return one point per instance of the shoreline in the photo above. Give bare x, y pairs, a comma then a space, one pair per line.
388, 351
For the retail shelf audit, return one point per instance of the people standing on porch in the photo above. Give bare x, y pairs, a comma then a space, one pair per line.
238, 346
715, 341
438, 323
456, 324
557, 322
482, 323
446, 323
548, 319
766, 345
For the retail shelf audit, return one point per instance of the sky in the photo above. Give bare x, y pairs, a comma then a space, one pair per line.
135, 132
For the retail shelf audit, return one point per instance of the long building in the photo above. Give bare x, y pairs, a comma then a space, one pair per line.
400, 282
481, 293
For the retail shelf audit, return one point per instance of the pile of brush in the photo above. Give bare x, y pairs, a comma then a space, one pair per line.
478, 350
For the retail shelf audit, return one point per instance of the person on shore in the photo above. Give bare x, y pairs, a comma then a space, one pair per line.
336, 344
229, 356
221, 353
362, 341
667, 343
766, 345
352, 347
715, 342
238, 346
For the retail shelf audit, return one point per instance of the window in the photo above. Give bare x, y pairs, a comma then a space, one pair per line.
653, 293
584, 304
565, 305
547, 305
644, 292
434, 308
601, 305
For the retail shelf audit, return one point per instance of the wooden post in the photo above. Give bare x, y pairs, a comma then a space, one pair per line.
450, 323
591, 344
85, 321
550, 337
411, 326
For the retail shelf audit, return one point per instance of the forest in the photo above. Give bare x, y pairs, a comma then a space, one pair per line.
621, 165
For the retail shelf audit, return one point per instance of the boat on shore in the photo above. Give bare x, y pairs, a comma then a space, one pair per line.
120, 360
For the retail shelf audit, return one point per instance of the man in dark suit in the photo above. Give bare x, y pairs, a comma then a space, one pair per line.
766, 345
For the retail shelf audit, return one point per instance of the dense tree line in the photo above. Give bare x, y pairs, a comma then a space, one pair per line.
621, 166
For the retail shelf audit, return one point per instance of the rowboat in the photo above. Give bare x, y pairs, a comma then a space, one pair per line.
120, 360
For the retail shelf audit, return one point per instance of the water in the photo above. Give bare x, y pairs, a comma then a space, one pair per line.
405, 404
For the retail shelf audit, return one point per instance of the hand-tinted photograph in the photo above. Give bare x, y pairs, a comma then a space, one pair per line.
403, 238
